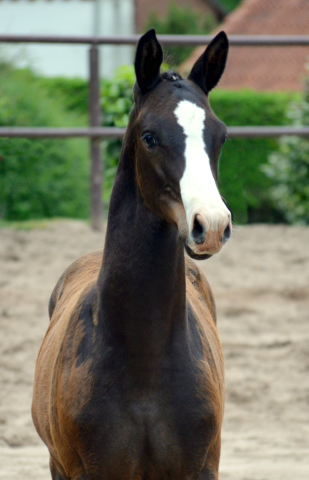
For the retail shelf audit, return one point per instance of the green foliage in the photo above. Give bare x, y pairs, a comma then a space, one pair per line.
71, 92
39, 178
117, 101
117, 97
59, 183
288, 168
180, 20
242, 183
230, 4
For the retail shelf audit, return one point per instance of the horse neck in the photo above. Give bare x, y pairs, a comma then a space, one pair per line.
142, 279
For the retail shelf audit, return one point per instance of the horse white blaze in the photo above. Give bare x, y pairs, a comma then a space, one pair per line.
199, 191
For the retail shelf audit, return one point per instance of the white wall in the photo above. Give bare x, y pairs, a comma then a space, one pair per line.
66, 17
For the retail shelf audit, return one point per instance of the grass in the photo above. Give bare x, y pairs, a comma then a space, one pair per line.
37, 224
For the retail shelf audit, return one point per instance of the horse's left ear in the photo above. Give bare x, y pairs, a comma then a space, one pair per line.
207, 70
148, 59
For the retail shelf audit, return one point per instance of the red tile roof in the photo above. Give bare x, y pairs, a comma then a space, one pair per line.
265, 68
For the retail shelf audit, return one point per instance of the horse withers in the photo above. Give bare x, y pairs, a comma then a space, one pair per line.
129, 382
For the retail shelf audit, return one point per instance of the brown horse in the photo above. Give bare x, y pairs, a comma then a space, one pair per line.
129, 379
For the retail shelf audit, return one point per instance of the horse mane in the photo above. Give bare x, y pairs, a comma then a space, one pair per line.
171, 76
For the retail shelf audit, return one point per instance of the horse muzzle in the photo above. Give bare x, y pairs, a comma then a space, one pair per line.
208, 233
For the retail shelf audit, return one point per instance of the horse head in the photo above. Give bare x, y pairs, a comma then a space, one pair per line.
178, 140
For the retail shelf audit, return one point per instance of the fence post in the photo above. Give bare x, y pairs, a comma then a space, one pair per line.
96, 176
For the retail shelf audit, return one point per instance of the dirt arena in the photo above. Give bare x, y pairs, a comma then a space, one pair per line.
260, 281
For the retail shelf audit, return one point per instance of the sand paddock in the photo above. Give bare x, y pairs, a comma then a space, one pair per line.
260, 281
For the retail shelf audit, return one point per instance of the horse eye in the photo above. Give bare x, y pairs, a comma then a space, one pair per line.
149, 140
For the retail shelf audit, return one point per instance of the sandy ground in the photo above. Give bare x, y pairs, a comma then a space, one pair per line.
260, 282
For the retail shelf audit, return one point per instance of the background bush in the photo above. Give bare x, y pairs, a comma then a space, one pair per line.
288, 168
58, 186
71, 93
242, 183
116, 102
39, 178
230, 4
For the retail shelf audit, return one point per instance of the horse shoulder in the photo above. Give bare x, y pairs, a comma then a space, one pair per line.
65, 300
72, 307
198, 289
75, 278
202, 304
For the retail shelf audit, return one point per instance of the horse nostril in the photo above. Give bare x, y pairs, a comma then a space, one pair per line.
226, 234
198, 232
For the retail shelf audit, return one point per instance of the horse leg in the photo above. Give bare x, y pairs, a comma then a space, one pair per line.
210, 470
208, 475
55, 474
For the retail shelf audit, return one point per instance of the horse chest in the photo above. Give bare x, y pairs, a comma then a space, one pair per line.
159, 432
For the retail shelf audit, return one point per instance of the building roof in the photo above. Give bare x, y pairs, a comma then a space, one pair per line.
265, 68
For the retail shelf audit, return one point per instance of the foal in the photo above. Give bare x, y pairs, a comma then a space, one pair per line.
129, 379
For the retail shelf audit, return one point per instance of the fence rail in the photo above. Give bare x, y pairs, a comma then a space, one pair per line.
95, 132
113, 132
234, 40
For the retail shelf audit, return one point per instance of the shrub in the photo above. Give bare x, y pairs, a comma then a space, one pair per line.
288, 168
39, 178
71, 92
117, 100
242, 182
230, 4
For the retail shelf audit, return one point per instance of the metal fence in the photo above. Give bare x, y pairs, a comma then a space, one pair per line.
96, 133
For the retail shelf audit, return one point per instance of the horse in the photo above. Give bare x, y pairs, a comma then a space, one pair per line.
129, 381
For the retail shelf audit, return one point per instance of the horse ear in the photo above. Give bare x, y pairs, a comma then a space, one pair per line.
148, 59
207, 70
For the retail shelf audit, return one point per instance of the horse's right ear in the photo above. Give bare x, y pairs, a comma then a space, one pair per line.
148, 59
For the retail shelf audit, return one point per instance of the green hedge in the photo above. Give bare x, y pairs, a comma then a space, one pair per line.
72, 93
288, 167
39, 178
59, 185
242, 182
116, 101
